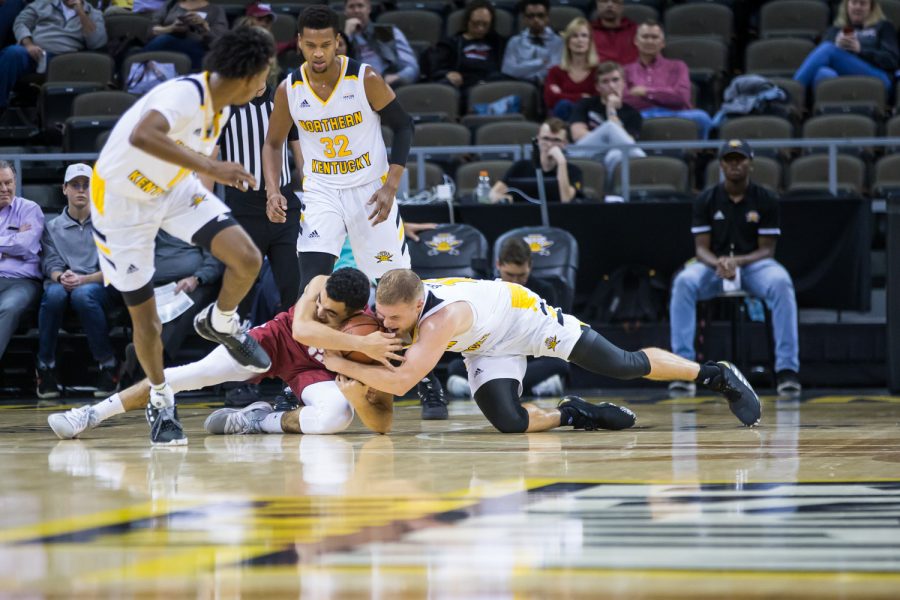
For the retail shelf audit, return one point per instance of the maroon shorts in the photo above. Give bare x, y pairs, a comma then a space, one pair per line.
292, 362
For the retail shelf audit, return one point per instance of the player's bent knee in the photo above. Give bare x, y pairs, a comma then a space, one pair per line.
204, 236
499, 400
326, 419
138, 296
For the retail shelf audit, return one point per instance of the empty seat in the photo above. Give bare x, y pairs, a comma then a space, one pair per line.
416, 25
467, 175
851, 94
639, 12
80, 66
93, 114
655, 177
840, 126
430, 101
434, 175
794, 18
758, 127
668, 129
594, 175
765, 171
707, 61
494, 90
891, 10
700, 19
132, 26
796, 92
887, 176
106, 103
507, 132
809, 174
49, 197
560, 17
776, 57
441, 134
69, 75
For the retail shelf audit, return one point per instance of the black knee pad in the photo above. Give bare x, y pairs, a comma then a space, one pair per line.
597, 354
138, 296
313, 264
499, 400
204, 236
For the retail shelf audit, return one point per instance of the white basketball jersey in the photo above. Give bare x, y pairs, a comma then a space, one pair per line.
340, 137
503, 314
186, 104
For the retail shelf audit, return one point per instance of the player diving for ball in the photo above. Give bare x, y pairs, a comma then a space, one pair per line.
294, 341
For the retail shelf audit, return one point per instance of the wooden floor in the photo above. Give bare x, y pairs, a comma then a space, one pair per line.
686, 504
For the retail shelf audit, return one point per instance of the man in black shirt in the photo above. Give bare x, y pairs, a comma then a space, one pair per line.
735, 227
562, 180
605, 120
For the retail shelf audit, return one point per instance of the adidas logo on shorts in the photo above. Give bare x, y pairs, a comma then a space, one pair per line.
131, 269
478, 372
314, 235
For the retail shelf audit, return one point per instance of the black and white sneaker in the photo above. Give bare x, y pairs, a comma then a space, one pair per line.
788, 383
581, 414
47, 385
431, 395
742, 400
241, 346
285, 401
165, 428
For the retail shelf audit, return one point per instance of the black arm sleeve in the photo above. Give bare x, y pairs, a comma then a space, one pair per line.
401, 124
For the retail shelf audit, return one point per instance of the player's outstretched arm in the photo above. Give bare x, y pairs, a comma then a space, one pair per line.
272, 154
375, 409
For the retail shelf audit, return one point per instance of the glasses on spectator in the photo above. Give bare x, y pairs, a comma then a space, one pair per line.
479, 23
79, 186
535, 15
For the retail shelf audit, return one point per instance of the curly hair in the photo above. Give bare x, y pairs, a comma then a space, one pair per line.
350, 286
241, 53
316, 17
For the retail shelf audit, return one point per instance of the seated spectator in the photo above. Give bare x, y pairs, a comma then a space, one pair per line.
137, 7
562, 180
195, 272
21, 226
380, 45
72, 275
260, 14
474, 54
575, 77
44, 29
189, 27
614, 33
736, 227
659, 86
531, 53
605, 120
861, 42
544, 376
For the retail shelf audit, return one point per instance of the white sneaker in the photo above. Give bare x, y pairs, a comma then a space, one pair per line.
458, 387
552, 386
69, 424
231, 420
682, 389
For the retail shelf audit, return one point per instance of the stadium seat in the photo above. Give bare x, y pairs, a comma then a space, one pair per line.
891, 10
290, 7
504, 25
284, 27
840, 126
80, 66
796, 91
809, 174
181, 62
855, 94
507, 132
700, 19
439, 7
669, 129
560, 17
419, 25
48, 196
450, 250
467, 176
69, 75
494, 90
442, 134
758, 127
430, 101
638, 12
92, 114
765, 171
707, 61
594, 174
434, 175
794, 18
887, 177
779, 57
124, 26
554, 256
654, 177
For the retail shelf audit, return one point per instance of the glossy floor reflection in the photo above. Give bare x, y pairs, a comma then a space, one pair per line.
686, 504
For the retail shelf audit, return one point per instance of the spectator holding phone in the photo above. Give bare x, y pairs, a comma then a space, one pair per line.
189, 27
380, 45
861, 42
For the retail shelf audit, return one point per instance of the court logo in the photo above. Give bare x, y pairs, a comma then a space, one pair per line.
551, 342
538, 243
443, 243
753, 217
196, 199
383, 257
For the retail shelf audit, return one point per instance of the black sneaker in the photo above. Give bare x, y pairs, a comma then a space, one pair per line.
165, 428
107, 382
242, 347
47, 385
788, 383
242, 395
431, 395
286, 401
742, 400
581, 414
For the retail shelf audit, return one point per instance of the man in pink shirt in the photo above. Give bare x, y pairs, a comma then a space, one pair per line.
658, 86
614, 33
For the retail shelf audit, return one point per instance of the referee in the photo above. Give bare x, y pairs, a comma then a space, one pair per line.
241, 141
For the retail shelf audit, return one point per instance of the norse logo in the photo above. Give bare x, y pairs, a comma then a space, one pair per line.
443, 243
551, 342
196, 199
384, 256
538, 243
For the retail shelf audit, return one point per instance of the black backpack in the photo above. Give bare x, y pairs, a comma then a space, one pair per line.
631, 293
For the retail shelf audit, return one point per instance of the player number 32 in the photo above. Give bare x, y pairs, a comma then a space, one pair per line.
340, 142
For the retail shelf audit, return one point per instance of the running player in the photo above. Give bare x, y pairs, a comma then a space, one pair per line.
293, 340
495, 325
339, 105
145, 180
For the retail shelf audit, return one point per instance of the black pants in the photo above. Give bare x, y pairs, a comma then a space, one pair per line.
276, 241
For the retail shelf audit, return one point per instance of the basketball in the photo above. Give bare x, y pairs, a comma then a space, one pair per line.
361, 324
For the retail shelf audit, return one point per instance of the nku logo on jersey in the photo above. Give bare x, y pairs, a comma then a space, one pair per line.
443, 243
538, 243
551, 342
384, 256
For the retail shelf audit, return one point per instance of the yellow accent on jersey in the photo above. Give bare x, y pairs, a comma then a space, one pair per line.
102, 247
98, 191
450, 280
522, 297
336, 85
178, 177
340, 141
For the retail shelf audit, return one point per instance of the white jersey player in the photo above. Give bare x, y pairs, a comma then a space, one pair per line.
495, 325
145, 180
349, 184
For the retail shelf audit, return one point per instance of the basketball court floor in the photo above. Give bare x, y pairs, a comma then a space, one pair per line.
687, 504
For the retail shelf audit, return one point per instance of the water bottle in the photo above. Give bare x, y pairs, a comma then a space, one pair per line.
732, 285
483, 189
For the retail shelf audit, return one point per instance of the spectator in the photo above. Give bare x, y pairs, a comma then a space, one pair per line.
562, 180
382, 46
72, 275
137, 7
659, 86
575, 77
189, 27
614, 33
44, 29
605, 119
472, 55
21, 226
545, 375
735, 227
861, 42
531, 53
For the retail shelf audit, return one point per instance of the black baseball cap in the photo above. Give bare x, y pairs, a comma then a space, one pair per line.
736, 147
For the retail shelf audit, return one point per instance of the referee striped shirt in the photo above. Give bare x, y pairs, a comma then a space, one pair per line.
242, 139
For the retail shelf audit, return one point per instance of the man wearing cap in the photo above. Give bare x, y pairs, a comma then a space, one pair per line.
72, 276
382, 46
260, 14
735, 226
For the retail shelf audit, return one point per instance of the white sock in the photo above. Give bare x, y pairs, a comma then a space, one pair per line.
271, 423
162, 395
221, 320
110, 407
